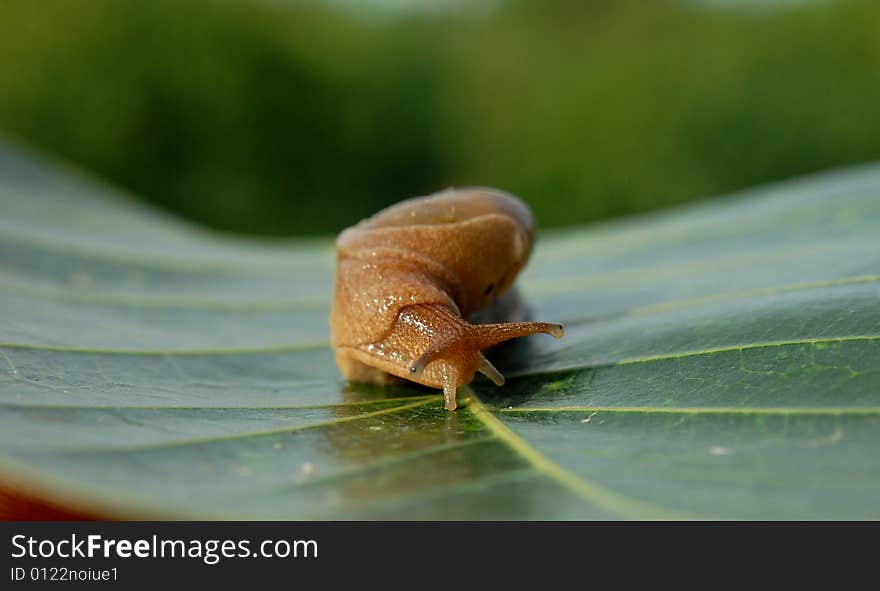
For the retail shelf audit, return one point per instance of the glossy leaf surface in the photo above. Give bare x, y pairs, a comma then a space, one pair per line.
720, 361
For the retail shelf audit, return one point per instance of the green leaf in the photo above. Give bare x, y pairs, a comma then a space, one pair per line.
721, 361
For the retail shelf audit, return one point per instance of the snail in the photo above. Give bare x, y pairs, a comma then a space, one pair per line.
409, 277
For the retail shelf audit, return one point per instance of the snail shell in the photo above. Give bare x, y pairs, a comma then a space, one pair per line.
407, 277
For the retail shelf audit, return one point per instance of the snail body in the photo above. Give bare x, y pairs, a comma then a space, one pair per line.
408, 277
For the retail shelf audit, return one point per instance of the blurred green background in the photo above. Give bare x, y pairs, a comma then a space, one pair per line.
281, 117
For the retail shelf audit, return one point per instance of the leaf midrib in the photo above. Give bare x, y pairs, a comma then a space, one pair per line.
591, 492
